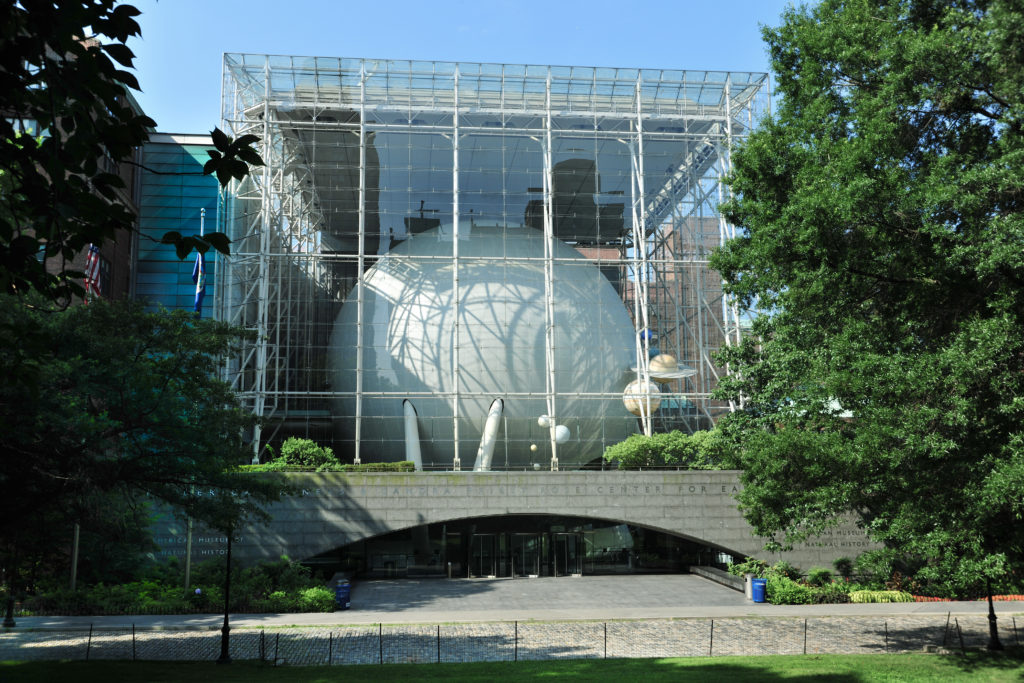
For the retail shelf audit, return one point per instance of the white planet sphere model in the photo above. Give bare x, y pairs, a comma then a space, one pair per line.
410, 350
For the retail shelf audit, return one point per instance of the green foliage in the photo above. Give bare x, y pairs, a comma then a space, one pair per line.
704, 450
306, 454
844, 566
280, 586
881, 222
781, 590
67, 113
279, 465
751, 565
880, 596
819, 576
402, 466
95, 425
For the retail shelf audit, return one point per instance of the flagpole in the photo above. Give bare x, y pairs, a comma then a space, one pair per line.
202, 221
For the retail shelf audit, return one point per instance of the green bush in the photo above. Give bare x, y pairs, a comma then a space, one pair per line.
783, 568
844, 566
753, 566
830, 594
403, 466
782, 590
697, 451
316, 599
880, 596
819, 576
307, 454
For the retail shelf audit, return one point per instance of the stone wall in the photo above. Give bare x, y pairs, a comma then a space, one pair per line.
335, 509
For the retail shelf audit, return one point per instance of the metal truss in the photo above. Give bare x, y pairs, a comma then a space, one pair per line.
309, 223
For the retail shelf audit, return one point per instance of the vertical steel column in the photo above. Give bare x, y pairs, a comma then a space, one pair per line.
730, 313
640, 265
262, 305
361, 238
456, 461
549, 312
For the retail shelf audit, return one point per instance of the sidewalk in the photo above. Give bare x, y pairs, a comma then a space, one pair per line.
592, 598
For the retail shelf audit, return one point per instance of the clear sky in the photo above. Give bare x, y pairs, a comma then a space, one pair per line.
179, 55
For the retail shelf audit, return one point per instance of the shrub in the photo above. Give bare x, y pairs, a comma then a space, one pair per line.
697, 451
830, 594
403, 466
880, 596
749, 566
785, 591
844, 566
316, 599
783, 568
819, 576
307, 454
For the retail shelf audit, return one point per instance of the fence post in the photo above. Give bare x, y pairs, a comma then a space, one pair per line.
517, 642
380, 640
805, 635
330, 647
886, 635
88, 644
960, 634
945, 634
606, 640
277, 647
439, 643
1016, 638
711, 640
133, 641
263, 646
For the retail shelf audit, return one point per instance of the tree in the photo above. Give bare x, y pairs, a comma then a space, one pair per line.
882, 232
123, 410
66, 116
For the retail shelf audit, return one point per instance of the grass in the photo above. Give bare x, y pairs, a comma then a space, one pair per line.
975, 666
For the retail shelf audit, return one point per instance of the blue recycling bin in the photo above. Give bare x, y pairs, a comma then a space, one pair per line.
343, 595
757, 589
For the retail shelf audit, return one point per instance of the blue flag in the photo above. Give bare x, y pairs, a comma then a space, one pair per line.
199, 277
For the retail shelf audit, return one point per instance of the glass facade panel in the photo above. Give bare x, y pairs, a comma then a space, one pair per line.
429, 237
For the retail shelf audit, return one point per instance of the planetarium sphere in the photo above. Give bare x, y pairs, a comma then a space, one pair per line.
415, 348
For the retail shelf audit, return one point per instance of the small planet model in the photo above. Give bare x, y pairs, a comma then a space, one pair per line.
641, 397
664, 368
533, 447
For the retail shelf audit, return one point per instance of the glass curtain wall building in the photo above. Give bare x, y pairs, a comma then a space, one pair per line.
479, 266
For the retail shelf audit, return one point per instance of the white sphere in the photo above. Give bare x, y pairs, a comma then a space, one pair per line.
562, 434
409, 348
533, 448
641, 397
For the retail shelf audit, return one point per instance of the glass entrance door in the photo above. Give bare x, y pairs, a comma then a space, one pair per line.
526, 553
568, 554
483, 555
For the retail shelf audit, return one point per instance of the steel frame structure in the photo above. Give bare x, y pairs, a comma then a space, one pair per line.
306, 225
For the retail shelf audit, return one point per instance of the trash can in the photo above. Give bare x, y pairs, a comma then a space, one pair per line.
757, 589
343, 595
747, 590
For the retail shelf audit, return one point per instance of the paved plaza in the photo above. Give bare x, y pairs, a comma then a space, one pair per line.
506, 619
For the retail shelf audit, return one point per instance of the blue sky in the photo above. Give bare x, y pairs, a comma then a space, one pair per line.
179, 55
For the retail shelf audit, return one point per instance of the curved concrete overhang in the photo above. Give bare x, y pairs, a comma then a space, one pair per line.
335, 509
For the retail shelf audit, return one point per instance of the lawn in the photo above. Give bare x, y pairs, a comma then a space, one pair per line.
975, 666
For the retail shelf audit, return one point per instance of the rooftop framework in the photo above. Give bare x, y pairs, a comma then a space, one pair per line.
622, 164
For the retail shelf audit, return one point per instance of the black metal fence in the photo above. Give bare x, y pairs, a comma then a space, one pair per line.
513, 641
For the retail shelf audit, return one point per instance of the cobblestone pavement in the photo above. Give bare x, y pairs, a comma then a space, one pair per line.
505, 641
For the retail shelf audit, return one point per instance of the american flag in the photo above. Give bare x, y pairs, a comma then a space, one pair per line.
199, 277
92, 273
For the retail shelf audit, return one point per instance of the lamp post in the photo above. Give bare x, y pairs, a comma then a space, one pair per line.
225, 631
993, 630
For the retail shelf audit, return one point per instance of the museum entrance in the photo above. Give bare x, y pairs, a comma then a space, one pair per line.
519, 546
568, 556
